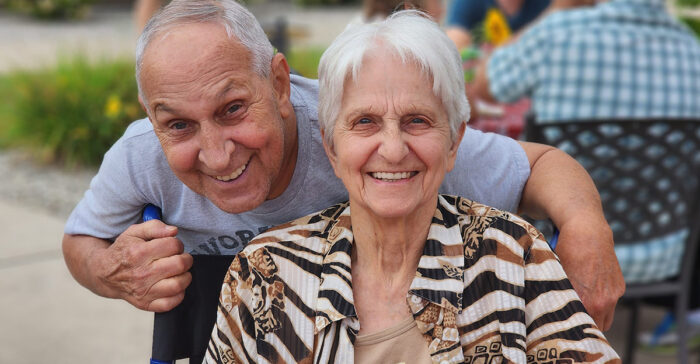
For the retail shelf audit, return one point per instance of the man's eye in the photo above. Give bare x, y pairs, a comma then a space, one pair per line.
178, 125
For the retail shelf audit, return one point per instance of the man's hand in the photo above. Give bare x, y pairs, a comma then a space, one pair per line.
145, 266
587, 255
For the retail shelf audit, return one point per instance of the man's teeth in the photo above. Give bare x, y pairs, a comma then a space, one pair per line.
388, 176
233, 175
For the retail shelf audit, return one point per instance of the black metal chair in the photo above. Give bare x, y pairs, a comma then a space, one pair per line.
184, 331
648, 176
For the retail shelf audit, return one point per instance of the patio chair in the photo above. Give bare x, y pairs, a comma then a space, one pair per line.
648, 176
184, 331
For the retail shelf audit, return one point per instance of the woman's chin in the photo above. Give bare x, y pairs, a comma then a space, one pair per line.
393, 208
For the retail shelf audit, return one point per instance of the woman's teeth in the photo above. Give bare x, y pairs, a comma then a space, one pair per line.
233, 175
389, 177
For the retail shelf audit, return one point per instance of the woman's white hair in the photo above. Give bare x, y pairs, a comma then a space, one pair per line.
410, 35
240, 24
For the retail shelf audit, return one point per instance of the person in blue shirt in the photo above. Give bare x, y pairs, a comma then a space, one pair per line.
464, 17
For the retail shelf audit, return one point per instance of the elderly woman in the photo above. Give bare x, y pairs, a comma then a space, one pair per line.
399, 273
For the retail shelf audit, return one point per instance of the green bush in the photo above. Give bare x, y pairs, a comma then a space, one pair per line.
688, 3
70, 114
305, 61
52, 9
693, 24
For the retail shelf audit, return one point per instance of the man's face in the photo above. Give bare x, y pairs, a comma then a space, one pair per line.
227, 133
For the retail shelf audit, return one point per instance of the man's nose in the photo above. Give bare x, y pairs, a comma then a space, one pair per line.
215, 147
393, 146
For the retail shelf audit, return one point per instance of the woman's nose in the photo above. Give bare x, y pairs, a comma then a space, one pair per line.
215, 147
393, 147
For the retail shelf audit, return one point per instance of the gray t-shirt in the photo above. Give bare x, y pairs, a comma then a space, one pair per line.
490, 168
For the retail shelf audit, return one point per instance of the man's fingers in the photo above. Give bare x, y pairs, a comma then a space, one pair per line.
152, 229
166, 303
169, 292
172, 265
161, 248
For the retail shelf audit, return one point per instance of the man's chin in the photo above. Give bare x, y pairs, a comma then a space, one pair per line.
239, 205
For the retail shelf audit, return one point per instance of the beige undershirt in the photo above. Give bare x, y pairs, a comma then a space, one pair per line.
402, 343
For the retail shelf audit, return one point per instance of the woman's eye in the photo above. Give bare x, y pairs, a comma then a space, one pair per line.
418, 121
364, 121
233, 108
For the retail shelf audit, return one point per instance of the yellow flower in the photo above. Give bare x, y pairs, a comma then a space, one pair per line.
496, 28
113, 106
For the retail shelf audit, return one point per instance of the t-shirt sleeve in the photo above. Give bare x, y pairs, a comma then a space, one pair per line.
466, 14
112, 203
515, 70
490, 168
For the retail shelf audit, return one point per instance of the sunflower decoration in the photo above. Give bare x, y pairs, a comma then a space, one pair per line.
496, 29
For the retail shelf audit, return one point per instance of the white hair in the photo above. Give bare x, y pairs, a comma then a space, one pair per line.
413, 37
240, 24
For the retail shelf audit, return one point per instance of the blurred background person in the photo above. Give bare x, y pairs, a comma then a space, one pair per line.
619, 59
493, 21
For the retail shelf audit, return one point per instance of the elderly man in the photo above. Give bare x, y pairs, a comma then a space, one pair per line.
233, 147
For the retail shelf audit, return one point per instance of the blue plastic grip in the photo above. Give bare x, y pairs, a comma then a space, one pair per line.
154, 361
151, 212
555, 238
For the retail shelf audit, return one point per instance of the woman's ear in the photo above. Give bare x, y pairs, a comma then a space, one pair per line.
452, 153
330, 151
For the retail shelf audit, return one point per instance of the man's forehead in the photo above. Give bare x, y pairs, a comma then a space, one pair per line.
191, 41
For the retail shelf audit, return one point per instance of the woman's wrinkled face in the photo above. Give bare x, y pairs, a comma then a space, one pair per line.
391, 143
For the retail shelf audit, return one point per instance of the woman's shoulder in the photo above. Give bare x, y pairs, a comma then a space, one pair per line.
476, 220
307, 233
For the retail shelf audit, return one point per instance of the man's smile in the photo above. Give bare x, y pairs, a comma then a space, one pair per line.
233, 174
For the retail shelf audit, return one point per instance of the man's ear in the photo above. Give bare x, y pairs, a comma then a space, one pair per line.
281, 84
143, 107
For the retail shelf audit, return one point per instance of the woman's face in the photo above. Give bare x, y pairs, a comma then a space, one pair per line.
392, 144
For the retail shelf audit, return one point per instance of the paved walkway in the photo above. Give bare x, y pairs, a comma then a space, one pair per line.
45, 316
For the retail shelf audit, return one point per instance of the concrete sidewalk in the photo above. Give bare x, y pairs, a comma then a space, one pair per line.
45, 316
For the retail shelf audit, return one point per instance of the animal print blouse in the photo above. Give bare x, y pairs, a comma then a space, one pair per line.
488, 289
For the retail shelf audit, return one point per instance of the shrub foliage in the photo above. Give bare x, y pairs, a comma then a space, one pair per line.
70, 114
52, 9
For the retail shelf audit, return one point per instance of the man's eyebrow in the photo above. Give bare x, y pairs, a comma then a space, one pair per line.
232, 84
163, 107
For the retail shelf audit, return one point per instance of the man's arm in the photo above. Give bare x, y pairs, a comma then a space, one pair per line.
559, 188
145, 265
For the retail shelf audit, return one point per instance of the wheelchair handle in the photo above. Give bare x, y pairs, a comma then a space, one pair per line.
152, 212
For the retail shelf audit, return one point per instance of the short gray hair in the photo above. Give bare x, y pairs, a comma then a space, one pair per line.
413, 37
239, 23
